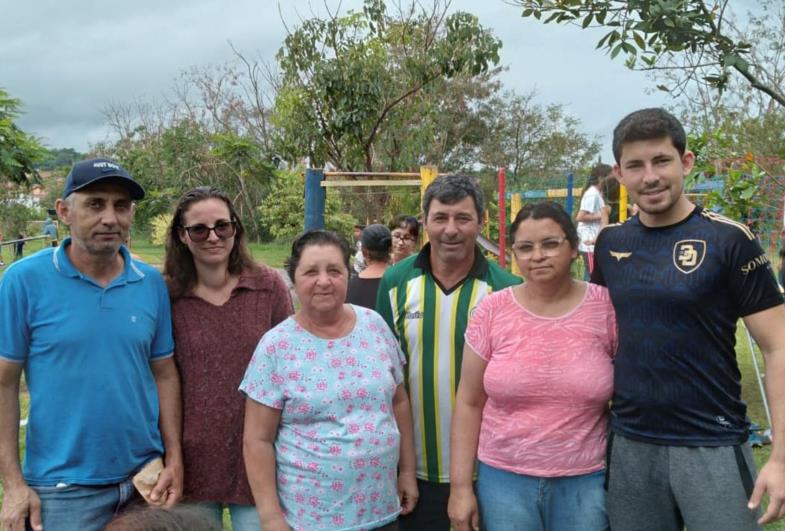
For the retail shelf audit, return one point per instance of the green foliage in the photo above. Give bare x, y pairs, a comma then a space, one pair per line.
282, 210
348, 79
159, 229
59, 159
19, 151
176, 157
649, 32
739, 196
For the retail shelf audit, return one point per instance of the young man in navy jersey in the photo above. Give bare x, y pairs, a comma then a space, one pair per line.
680, 277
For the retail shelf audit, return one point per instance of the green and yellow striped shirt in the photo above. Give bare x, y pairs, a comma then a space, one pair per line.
430, 324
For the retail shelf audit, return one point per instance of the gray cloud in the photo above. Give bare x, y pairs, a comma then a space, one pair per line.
67, 60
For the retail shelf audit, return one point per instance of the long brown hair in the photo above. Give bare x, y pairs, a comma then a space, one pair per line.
179, 269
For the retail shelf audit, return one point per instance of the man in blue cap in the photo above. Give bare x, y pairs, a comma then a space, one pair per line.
91, 329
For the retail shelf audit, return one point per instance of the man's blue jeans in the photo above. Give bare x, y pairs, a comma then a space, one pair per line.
83, 507
516, 502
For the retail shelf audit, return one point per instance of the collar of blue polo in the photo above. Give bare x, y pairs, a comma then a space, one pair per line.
61, 262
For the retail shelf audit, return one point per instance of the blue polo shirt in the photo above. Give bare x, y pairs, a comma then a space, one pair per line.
86, 351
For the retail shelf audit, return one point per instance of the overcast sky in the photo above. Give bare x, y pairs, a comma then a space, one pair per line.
67, 60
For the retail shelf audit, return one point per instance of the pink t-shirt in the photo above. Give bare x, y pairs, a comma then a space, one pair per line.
548, 381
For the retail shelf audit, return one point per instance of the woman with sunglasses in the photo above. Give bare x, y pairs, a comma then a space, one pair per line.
532, 403
222, 304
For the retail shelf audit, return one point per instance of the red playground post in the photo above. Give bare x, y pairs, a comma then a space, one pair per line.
502, 219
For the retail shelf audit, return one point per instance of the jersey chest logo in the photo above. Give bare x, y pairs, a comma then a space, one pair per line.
688, 255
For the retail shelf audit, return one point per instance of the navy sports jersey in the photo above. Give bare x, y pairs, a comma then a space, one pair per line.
678, 292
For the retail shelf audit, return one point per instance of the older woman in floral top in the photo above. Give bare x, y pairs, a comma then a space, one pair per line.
328, 429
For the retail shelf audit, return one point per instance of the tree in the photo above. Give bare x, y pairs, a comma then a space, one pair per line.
19, 151
692, 37
535, 142
344, 80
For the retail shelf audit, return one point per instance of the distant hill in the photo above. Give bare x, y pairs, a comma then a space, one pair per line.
58, 158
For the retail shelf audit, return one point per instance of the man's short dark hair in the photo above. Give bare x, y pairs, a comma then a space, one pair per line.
449, 189
648, 124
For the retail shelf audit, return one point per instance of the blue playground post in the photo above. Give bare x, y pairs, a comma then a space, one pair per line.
570, 182
314, 199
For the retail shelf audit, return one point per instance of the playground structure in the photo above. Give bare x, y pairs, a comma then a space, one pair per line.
766, 224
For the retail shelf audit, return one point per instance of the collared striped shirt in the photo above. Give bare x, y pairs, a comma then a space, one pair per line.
430, 323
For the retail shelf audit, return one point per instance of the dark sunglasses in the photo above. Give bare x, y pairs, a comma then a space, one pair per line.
222, 229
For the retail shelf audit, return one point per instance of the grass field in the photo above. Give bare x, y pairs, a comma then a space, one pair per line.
274, 255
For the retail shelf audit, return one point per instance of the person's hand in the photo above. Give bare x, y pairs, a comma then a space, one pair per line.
462, 509
19, 503
771, 480
407, 491
169, 488
274, 522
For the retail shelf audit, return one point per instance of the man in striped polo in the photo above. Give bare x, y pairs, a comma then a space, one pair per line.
427, 299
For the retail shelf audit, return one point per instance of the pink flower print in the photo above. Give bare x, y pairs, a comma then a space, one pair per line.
283, 344
303, 409
354, 428
337, 486
375, 441
361, 512
376, 374
349, 408
313, 467
338, 519
310, 355
375, 496
383, 408
311, 434
299, 464
346, 394
335, 363
277, 404
359, 463
362, 392
330, 344
359, 498
282, 480
299, 498
276, 378
351, 361
366, 407
369, 427
391, 508
335, 450
313, 501
294, 375
363, 343
377, 511
290, 357
377, 476
358, 442
301, 513
270, 349
341, 375
321, 386
331, 417
376, 462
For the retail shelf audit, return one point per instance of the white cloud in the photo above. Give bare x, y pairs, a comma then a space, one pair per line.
67, 60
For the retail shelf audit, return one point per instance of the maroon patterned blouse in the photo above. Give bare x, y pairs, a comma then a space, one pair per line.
213, 345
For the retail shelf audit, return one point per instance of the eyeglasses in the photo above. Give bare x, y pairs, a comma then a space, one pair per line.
223, 229
403, 238
548, 247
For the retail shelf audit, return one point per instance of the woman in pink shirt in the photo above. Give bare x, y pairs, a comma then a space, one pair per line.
532, 404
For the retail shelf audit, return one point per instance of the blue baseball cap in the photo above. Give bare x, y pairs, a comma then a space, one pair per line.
87, 172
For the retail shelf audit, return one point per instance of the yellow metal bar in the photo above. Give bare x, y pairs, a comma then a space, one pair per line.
515, 207
370, 174
366, 182
427, 176
622, 202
